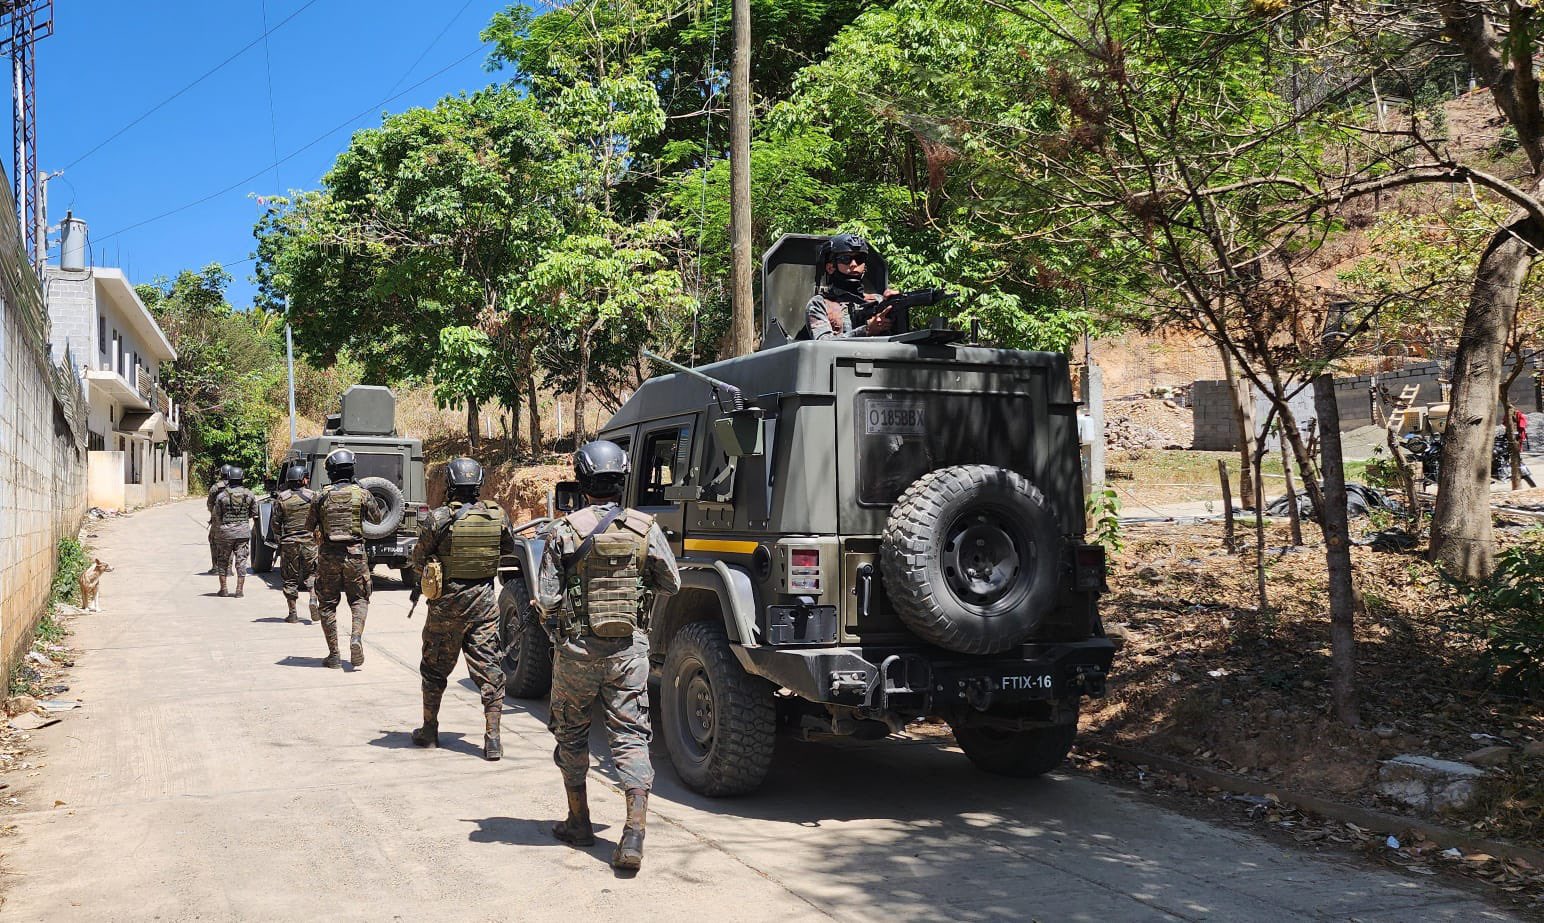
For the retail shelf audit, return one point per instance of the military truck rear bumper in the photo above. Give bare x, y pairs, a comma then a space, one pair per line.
396, 551
937, 680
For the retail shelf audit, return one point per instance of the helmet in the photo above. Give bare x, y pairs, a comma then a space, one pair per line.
844, 245
225, 470
601, 468
463, 474
295, 472
234, 475
340, 465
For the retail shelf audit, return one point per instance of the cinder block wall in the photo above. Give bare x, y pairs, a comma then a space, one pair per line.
42, 449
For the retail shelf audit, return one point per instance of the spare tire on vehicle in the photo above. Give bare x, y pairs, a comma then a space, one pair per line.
970, 557
390, 496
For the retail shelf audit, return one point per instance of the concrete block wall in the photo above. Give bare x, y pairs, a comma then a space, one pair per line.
1212, 404
72, 311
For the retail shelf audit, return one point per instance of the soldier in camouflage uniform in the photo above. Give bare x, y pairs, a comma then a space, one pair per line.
219, 484
602, 564
297, 544
338, 515
231, 529
841, 307
467, 537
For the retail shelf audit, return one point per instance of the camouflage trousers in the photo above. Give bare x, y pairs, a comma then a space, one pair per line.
297, 561
621, 684
465, 619
339, 575
223, 549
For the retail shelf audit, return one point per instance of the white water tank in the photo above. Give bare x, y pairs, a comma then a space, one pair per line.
72, 242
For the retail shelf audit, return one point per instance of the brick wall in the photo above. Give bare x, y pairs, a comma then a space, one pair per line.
1212, 406
42, 449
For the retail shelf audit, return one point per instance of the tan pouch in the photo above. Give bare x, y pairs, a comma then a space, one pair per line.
432, 583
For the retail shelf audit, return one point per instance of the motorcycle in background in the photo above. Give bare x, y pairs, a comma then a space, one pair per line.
1426, 448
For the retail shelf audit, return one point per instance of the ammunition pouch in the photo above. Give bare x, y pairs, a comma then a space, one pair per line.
431, 583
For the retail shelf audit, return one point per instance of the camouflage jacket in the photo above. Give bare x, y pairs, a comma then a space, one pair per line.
435, 529
371, 509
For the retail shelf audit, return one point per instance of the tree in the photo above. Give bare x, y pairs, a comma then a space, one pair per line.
426, 225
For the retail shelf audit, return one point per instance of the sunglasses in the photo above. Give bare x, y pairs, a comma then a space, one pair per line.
852, 260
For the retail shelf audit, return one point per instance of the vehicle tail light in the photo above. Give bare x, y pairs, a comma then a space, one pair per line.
1088, 568
804, 570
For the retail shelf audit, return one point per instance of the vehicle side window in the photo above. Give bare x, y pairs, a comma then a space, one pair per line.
661, 464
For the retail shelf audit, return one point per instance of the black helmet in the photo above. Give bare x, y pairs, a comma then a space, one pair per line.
340, 465
234, 475
843, 245
463, 474
601, 468
226, 469
295, 472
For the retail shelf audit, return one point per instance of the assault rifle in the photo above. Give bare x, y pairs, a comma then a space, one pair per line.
898, 307
413, 598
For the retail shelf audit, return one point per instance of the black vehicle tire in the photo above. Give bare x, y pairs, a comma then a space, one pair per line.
719, 722
262, 555
1021, 754
390, 496
987, 603
527, 650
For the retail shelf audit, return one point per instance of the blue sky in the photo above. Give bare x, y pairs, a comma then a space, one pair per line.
108, 62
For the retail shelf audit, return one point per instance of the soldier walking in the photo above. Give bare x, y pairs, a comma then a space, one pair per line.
601, 565
466, 536
230, 526
338, 516
220, 483
297, 543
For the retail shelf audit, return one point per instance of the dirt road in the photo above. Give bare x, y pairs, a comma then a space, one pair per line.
218, 772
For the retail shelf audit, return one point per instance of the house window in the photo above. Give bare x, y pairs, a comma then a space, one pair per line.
102, 336
112, 414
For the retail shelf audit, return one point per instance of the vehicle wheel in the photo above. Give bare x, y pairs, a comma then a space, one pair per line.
1022, 754
970, 557
719, 721
390, 496
527, 650
262, 556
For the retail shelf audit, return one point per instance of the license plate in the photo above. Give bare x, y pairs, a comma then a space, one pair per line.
1026, 682
894, 418
385, 550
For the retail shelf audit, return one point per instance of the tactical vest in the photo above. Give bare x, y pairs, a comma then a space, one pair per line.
238, 506
292, 509
473, 550
343, 513
606, 583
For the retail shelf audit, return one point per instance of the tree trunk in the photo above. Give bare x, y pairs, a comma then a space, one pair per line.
1263, 599
1243, 418
1337, 553
1292, 512
473, 423
1462, 542
530, 398
579, 391
511, 422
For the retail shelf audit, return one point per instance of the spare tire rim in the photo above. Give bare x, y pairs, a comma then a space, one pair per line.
697, 709
983, 554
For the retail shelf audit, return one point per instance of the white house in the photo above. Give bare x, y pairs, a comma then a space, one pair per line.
117, 349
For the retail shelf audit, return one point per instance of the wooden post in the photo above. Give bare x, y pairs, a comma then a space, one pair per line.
742, 335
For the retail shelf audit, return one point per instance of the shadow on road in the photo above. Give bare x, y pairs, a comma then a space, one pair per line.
453, 741
294, 661
278, 618
521, 831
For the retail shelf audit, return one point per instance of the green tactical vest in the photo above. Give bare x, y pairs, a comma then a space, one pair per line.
606, 584
473, 550
292, 509
238, 506
343, 513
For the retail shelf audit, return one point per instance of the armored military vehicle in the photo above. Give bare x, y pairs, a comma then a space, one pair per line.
389, 465
870, 531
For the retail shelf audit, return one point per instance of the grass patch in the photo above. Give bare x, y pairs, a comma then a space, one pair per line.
72, 562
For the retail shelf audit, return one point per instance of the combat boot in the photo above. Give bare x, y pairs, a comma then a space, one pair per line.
575, 830
292, 617
330, 632
223, 590
629, 854
493, 749
356, 638
241, 582
429, 734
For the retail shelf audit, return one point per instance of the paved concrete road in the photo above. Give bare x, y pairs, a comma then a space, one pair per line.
218, 772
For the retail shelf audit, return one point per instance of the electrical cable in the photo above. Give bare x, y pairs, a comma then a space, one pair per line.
201, 78
273, 120
337, 128
430, 47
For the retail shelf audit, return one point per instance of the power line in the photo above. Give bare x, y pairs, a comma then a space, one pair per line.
430, 47
273, 121
201, 78
573, 18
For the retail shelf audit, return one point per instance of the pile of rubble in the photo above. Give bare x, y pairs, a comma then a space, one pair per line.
1147, 423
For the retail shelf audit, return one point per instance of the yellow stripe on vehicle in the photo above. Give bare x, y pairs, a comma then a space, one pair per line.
722, 546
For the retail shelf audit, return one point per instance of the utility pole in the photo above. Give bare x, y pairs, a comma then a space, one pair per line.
40, 222
289, 349
742, 335
22, 23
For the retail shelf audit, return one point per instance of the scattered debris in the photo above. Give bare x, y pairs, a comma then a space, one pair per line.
39, 659
1361, 500
53, 705
31, 722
